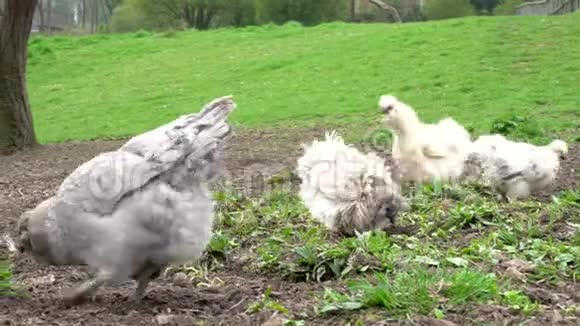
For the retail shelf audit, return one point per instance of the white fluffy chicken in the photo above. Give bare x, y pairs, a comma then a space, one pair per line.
345, 189
129, 213
517, 169
425, 152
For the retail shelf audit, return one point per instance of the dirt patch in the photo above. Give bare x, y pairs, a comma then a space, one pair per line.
568, 176
166, 303
499, 315
28, 177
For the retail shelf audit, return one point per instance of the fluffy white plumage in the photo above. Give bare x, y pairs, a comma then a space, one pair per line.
129, 213
424, 151
345, 189
517, 169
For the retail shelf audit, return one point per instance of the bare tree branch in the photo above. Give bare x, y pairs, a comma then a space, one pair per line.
40, 9
49, 15
172, 8
387, 7
84, 13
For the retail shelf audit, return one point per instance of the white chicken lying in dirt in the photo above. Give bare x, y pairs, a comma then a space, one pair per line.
516, 169
129, 213
345, 189
425, 152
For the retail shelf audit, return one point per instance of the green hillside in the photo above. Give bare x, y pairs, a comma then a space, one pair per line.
475, 69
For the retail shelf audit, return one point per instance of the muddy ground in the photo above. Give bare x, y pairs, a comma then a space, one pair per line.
28, 177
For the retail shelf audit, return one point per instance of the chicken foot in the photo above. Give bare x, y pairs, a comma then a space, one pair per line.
88, 288
143, 279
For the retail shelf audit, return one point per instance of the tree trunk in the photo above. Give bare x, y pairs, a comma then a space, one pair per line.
91, 15
94, 14
84, 14
387, 7
352, 10
16, 126
40, 9
189, 14
97, 16
49, 15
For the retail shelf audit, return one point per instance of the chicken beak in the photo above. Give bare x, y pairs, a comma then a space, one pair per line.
386, 109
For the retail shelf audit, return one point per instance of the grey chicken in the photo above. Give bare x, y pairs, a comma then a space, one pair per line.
129, 213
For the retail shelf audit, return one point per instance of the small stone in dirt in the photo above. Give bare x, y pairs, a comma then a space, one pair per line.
43, 280
275, 320
429, 321
133, 313
164, 319
541, 295
517, 268
275, 285
181, 279
520, 265
170, 319
7, 242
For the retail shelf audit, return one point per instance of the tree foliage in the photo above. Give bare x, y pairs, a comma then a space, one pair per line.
444, 9
308, 12
205, 14
508, 7
485, 6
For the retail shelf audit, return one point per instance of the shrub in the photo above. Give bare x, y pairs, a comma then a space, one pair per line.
508, 7
445, 9
518, 127
126, 18
142, 33
306, 12
134, 15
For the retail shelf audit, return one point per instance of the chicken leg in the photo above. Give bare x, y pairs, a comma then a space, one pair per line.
143, 278
88, 288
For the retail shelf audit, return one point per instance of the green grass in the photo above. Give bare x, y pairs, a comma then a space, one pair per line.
6, 286
417, 291
474, 69
434, 272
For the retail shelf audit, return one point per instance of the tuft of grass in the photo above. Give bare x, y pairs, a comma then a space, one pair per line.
471, 286
418, 291
266, 303
118, 85
517, 300
220, 245
142, 33
6, 286
517, 127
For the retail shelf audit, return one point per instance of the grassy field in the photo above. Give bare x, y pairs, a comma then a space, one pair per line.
474, 69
